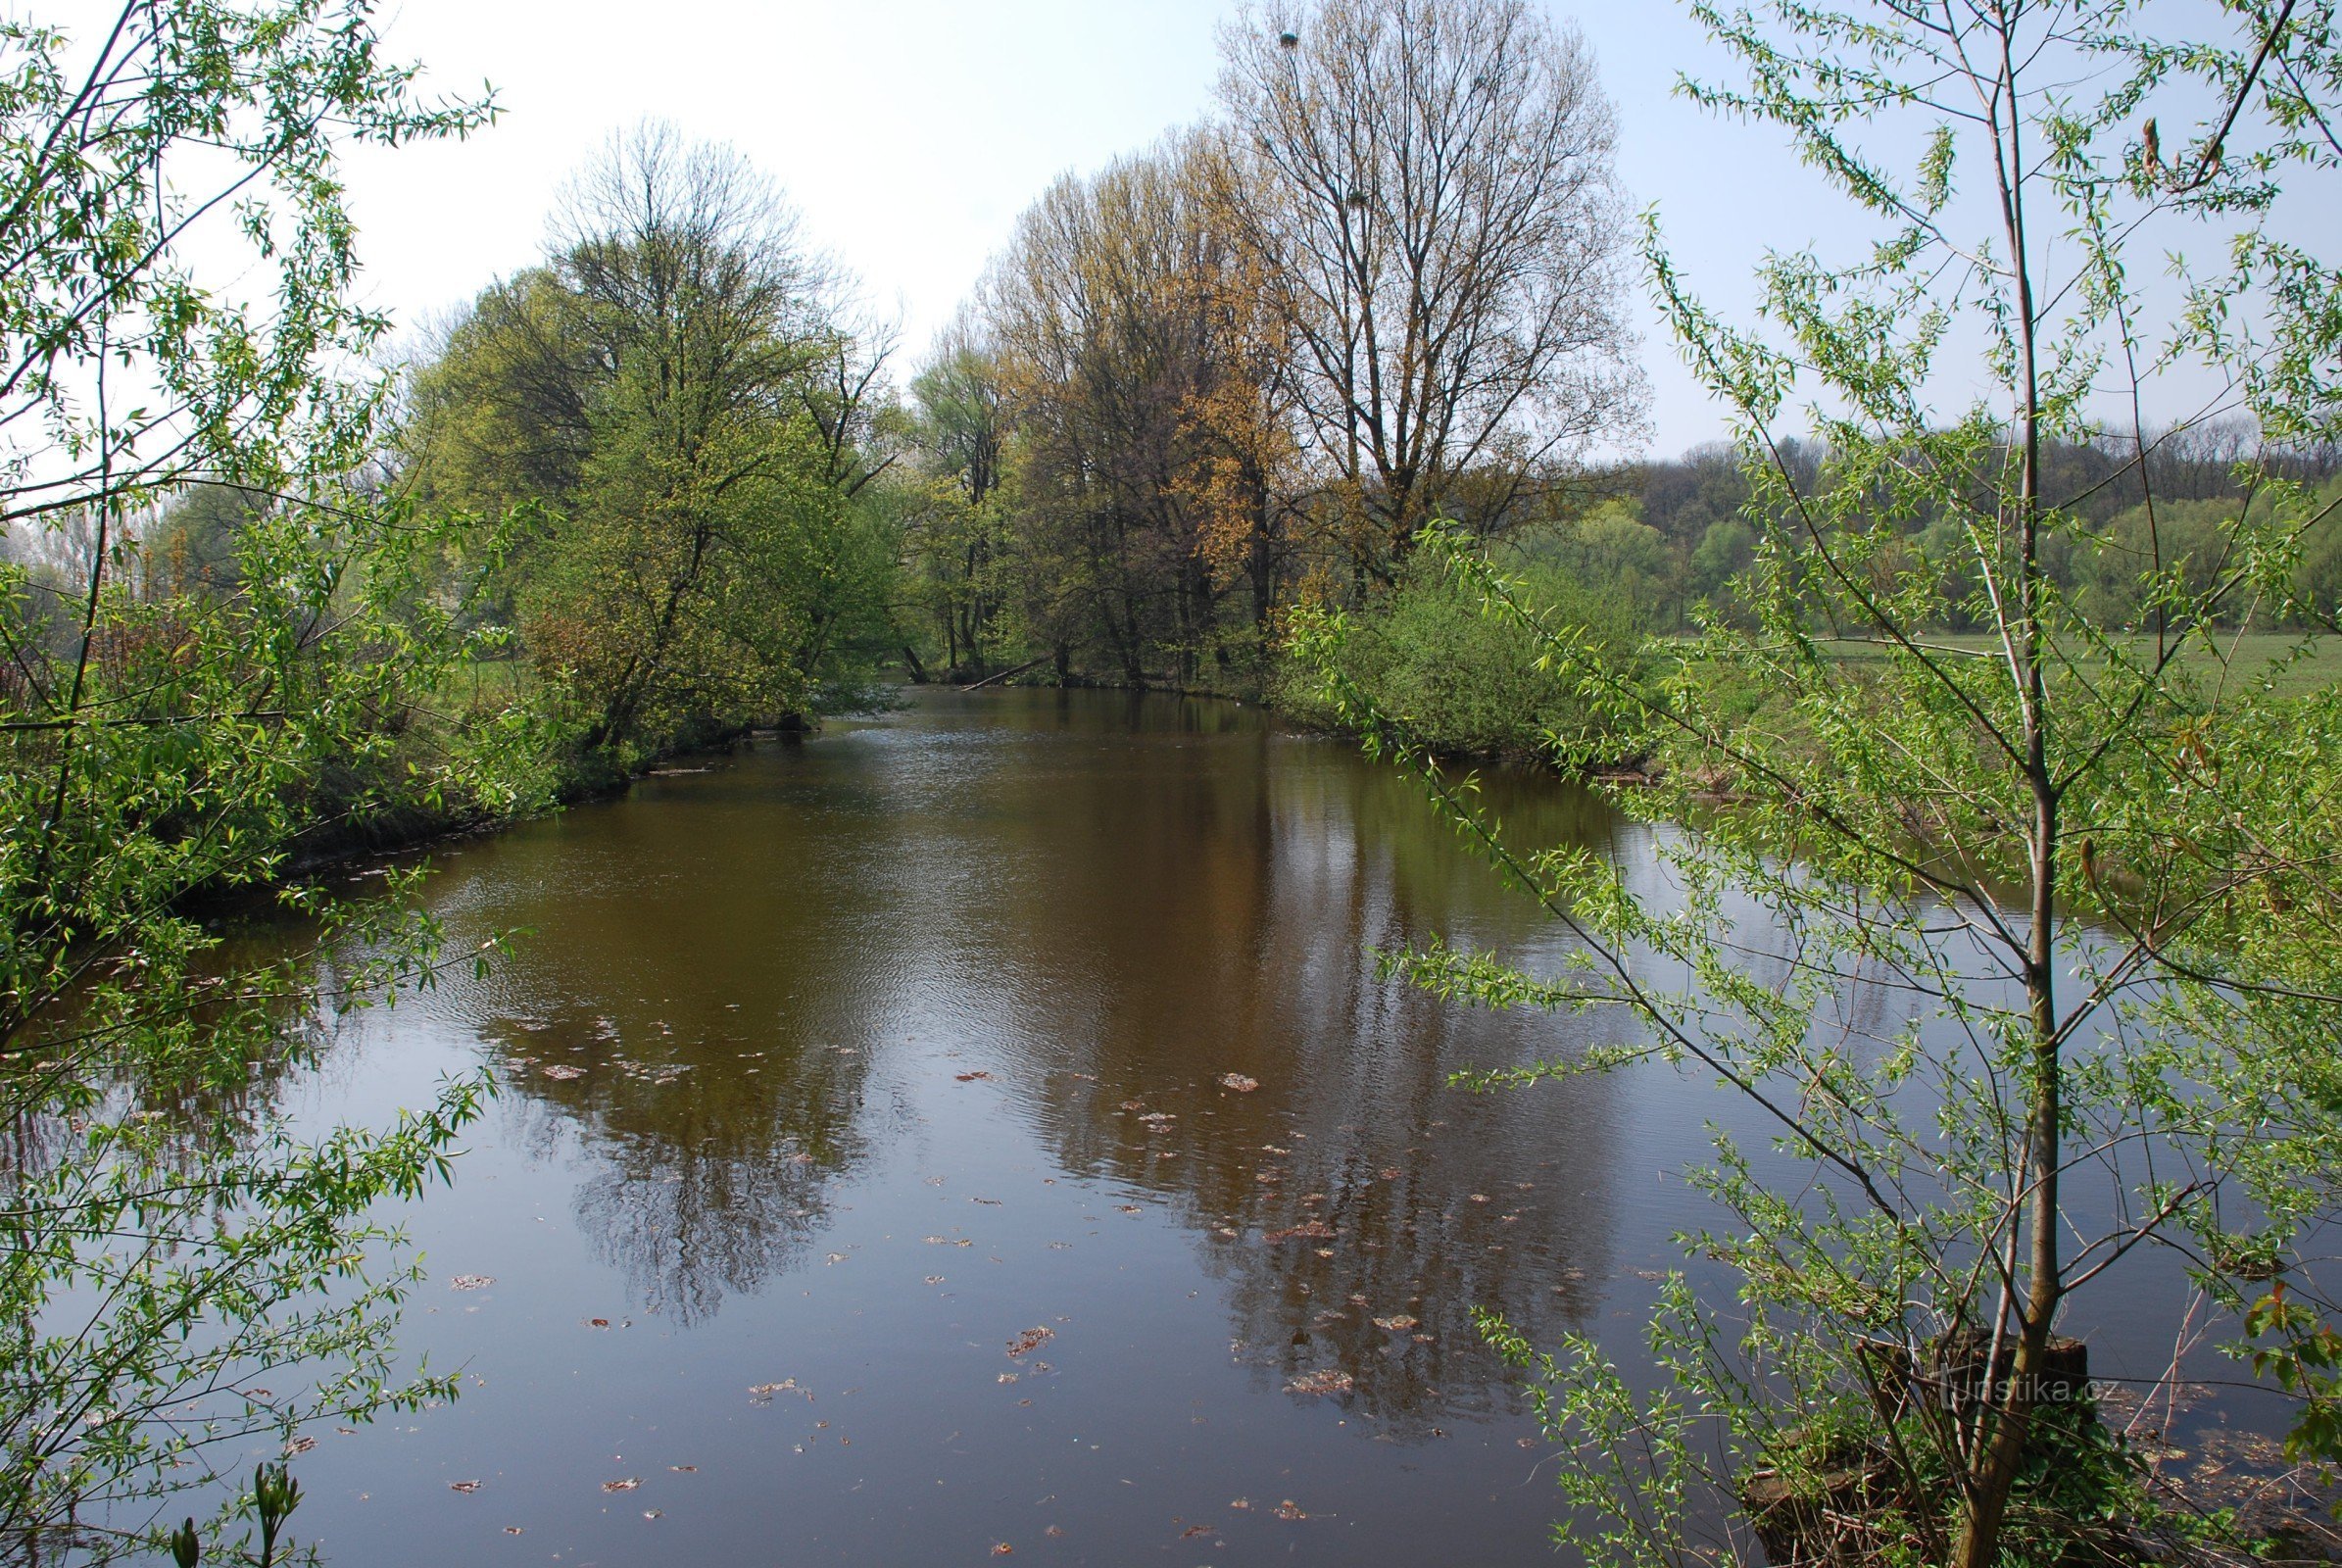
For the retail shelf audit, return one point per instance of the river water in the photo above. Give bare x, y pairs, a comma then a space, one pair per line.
862, 1186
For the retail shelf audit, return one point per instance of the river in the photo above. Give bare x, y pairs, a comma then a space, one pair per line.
863, 1187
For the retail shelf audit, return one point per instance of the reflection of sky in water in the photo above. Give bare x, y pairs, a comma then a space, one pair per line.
875, 1052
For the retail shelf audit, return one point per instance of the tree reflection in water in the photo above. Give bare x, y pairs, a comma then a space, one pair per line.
1233, 928
706, 1180
1111, 904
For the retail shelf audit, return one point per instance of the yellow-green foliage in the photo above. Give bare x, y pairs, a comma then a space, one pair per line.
1463, 683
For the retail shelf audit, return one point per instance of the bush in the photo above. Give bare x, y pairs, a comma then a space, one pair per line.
1465, 684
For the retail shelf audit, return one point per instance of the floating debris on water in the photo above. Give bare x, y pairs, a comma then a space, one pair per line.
1325, 1380
1030, 1340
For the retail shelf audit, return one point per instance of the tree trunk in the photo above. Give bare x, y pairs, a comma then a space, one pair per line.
1995, 1473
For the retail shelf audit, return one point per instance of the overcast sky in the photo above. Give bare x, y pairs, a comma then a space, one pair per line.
912, 132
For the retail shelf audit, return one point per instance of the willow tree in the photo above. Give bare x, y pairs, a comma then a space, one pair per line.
176, 310
1428, 187
2018, 944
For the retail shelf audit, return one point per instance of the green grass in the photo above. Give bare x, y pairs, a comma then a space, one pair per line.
489, 683
2288, 664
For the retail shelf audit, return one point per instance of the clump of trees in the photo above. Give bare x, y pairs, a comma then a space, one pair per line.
2053, 981
1385, 283
1675, 535
680, 414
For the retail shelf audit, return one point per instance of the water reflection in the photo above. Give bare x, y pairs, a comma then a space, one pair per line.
712, 1161
684, 1012
1227, 916
835, 1071
1108, 903
838, 1067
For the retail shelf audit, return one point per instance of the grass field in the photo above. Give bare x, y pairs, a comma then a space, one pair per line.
2286, 663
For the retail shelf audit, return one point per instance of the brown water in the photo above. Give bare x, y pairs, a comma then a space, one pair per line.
899, 1050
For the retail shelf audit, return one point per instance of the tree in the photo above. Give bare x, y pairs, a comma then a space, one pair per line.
1147, 386
695, 299
169, 1240
846, 396
1428, 188
960, 429
2091, 864
1611, 549
1251, 485
1385, 282
193, 544
1104, 339
497, 417
677, 395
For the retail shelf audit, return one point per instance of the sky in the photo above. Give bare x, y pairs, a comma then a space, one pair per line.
912, 132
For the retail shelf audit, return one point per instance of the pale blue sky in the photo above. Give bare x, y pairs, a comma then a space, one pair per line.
912, 132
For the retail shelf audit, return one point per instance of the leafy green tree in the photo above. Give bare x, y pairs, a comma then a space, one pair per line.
1725, 551
2119, 574
680, 596
2047, 974
169, 1245
1471, 686
674, 407
2317, 600
497, 417
1611, 549
960, 428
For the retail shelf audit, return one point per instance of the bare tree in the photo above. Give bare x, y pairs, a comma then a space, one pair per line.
845, 394
1429, 187
695, 277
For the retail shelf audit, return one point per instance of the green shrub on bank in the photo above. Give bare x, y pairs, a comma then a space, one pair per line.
1467, 684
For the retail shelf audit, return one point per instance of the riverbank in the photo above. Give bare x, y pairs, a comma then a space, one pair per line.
1485, 731
358, 812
